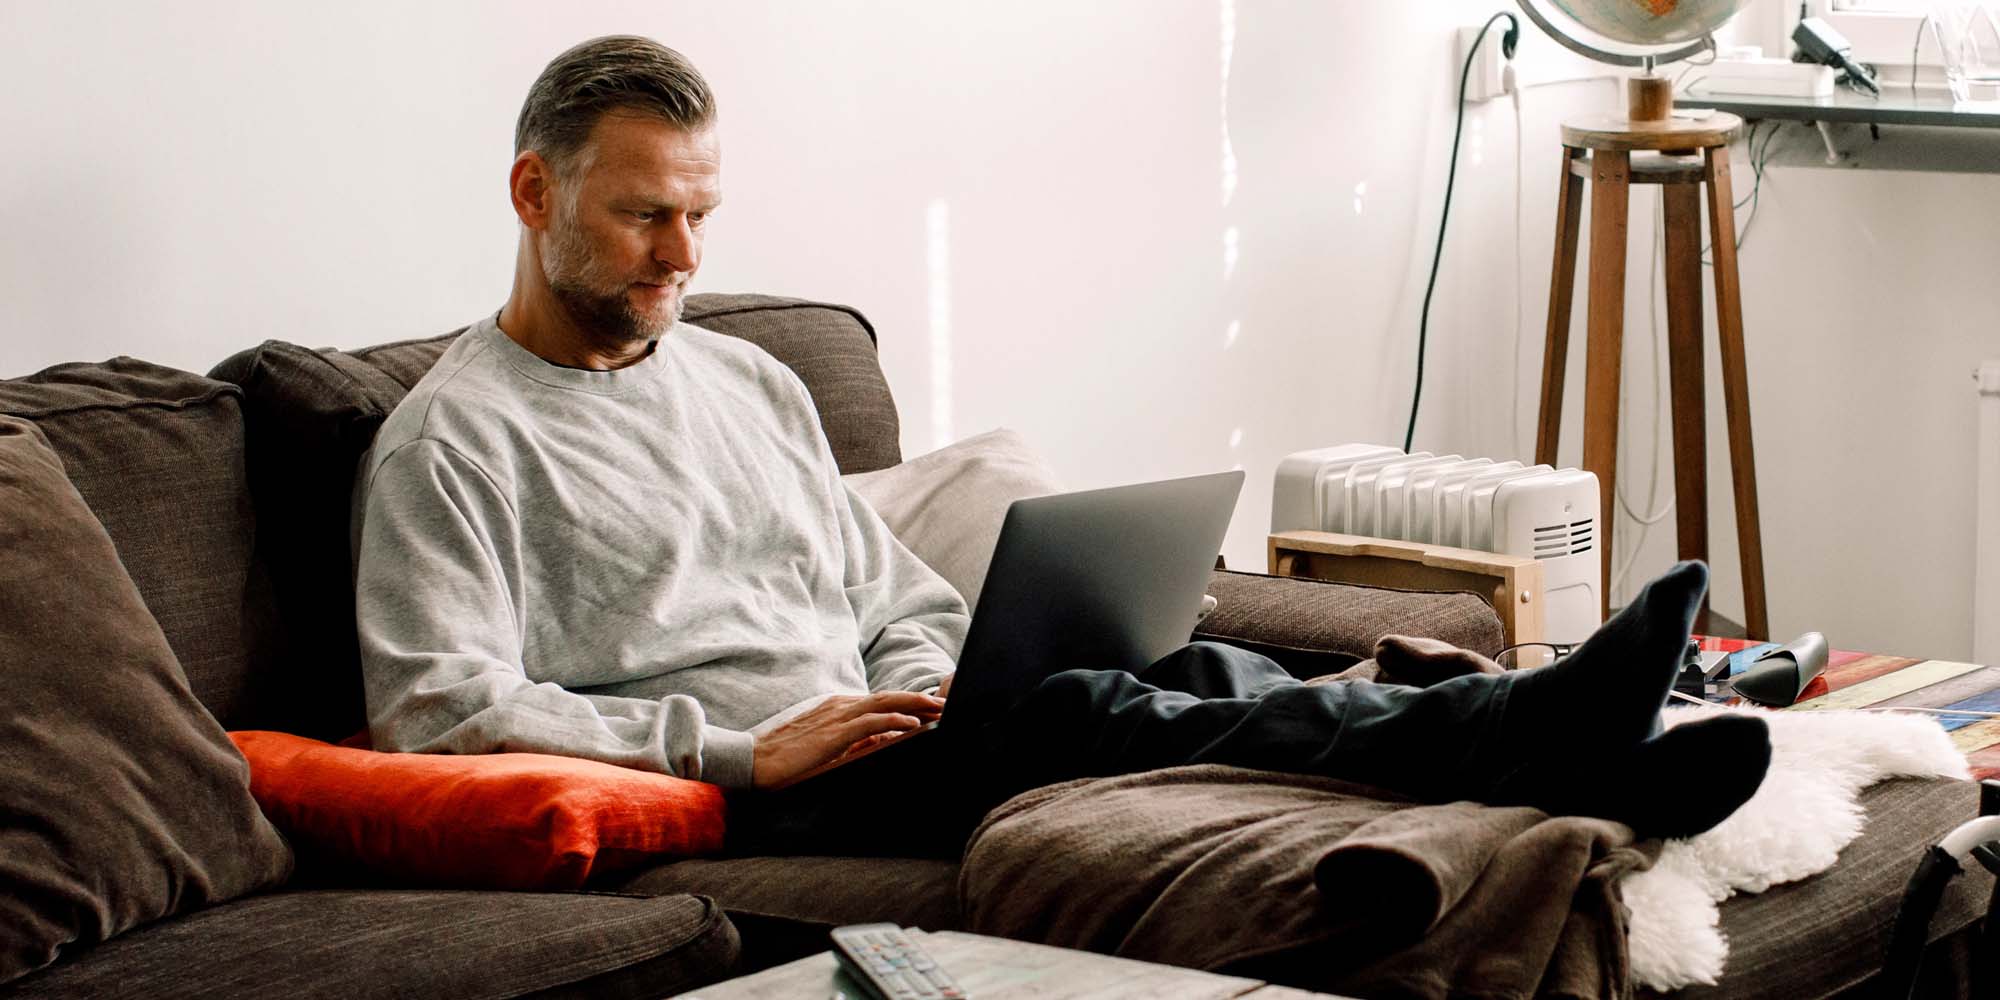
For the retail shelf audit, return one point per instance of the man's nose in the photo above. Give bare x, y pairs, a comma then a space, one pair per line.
676, 246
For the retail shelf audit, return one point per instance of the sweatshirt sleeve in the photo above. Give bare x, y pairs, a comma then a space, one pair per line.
911, 622
439, 607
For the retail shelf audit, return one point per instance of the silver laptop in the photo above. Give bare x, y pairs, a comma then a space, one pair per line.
1107, 579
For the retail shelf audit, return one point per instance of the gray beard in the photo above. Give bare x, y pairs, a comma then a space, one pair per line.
569, 268
610, 317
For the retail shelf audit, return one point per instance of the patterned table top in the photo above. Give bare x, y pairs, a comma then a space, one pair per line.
1862, 680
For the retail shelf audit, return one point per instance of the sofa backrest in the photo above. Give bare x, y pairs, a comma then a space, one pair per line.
159, 456
310, 414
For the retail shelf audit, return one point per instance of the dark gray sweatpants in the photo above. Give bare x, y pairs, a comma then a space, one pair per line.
1205, 703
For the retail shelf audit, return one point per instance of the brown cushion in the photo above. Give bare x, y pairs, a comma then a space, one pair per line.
123, 799
1821, 935
158, 455
827, 891
832, 348
947, 506
311, 414
348, 945
1312, 627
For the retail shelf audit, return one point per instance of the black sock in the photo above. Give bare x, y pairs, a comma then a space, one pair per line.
1607, 695
1677, 784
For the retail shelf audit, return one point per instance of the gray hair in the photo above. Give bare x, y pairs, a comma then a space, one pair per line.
594, 78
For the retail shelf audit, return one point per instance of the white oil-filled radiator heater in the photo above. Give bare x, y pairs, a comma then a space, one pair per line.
1549, 515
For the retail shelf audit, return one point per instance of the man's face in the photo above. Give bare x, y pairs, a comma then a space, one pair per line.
625, 233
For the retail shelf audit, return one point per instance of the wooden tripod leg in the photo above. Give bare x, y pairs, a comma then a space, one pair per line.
1736, 389
1684, 365
1562, 291
1610, 193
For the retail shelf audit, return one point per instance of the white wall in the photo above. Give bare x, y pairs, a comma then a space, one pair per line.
185, 181
189, 180
1868, 299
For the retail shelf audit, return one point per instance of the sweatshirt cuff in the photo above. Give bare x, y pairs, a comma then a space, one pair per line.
913, 678
727, 756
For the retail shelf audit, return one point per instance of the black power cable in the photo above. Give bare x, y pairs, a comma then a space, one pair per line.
1508, 41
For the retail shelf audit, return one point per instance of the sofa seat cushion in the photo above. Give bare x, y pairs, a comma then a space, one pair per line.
351, 945
913, 892
158, 454
1313, 627
1819, 936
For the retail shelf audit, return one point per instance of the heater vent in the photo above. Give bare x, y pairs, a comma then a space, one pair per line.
1581, 534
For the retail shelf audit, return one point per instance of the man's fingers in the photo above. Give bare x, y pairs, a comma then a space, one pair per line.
904, 701
877, 723
866, 742
907, 702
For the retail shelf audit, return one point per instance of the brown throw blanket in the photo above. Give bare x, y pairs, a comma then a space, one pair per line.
1212, 867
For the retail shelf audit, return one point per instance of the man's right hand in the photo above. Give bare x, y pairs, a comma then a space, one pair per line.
827, 730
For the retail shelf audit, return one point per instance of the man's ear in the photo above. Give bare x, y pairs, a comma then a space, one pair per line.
531, 183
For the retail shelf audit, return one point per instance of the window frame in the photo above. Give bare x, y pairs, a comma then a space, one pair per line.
1881, 37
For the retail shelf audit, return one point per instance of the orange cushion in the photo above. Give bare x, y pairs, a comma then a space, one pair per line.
495, 821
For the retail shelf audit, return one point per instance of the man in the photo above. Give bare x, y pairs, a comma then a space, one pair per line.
594, 531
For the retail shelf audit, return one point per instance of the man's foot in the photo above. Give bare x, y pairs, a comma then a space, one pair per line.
1677, 784
1606, 696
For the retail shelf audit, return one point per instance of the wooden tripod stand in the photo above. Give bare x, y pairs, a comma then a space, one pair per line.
1649, 146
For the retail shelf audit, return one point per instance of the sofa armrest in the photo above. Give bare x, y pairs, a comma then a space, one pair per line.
1511, 584
1312, 627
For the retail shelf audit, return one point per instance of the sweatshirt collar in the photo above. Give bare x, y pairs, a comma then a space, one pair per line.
533, 366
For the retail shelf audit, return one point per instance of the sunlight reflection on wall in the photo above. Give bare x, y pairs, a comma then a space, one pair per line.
1229, 233
1231, 236
937, 244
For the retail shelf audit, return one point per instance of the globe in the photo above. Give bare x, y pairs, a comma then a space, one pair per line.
1650, 22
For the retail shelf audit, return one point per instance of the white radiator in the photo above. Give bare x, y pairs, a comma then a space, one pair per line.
1986, 569
1470, 503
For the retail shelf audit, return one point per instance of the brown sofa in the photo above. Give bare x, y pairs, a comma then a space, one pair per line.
227, 497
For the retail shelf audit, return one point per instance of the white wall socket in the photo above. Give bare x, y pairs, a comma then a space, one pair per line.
1484, 82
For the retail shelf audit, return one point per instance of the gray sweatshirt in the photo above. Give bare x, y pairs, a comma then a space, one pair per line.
638, 566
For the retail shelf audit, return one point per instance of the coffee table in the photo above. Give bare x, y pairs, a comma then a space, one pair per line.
991, 968
1872, 680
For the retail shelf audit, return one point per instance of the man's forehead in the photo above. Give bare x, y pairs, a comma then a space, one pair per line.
644, 143
650, 162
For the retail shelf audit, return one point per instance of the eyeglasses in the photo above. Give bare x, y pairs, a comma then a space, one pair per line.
1523, 655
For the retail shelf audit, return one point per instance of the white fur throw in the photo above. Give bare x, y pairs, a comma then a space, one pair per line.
1795, 826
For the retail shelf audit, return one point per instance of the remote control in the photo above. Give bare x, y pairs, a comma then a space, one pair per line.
883, 959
